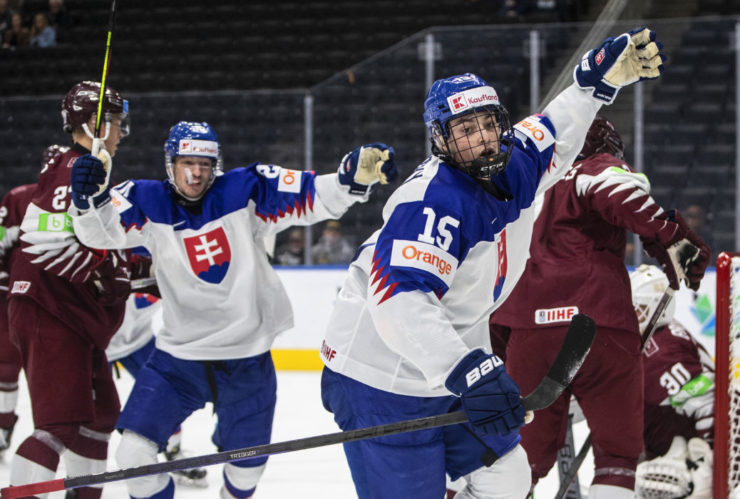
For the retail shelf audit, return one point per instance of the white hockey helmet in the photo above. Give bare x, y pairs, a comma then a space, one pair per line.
648, 285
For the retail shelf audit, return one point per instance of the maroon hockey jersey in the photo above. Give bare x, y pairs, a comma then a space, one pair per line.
84, 288
671, 358
576, 262
12, 208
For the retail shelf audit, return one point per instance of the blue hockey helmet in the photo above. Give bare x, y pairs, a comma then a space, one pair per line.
457, 96
189, 138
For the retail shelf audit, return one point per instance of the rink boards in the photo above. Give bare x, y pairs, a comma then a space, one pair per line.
312, 291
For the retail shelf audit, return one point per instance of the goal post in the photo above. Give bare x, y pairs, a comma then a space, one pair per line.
727, 382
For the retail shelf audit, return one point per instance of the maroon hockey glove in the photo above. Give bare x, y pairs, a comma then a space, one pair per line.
111, 279
140, 266
681, 253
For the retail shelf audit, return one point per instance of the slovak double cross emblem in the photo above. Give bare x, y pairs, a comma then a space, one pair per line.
209, 255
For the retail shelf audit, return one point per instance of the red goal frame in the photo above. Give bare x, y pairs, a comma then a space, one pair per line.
722, 417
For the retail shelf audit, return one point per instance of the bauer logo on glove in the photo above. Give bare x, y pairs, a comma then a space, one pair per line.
489, 397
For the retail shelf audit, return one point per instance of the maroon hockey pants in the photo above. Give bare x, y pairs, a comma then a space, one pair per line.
609, 389
69, 380
10, 363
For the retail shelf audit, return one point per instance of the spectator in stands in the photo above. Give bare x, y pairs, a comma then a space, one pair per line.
292, 251
59, 18
513, 9
697, 219
17, 35
42, 35
332, 246
4, 17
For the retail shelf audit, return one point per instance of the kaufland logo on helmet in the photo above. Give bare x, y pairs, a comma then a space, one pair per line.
198, 147
472, 98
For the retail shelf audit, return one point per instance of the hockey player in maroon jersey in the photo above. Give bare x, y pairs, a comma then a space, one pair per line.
65, 302
679, 399
576, 266
12, 208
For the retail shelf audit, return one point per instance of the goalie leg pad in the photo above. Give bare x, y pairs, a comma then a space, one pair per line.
509, 476
135, 450
701, 459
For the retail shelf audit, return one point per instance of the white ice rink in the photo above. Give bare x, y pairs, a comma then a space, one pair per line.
309, 474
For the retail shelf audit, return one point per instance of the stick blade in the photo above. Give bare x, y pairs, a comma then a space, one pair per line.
571, 356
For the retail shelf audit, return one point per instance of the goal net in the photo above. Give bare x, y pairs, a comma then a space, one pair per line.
727, 388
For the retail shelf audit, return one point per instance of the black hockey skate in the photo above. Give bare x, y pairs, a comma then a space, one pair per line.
194, 477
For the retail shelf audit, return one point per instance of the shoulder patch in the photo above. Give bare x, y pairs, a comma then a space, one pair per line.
426, 257
537, 131
119, 202
290, 180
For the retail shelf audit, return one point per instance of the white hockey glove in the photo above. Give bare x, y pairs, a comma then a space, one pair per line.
366, 166
700, 466
665, 477
620, 61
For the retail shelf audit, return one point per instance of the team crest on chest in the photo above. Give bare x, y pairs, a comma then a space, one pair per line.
209, 255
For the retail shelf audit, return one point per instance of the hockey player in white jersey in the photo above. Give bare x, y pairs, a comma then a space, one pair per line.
132, 344
223, 304
408, 337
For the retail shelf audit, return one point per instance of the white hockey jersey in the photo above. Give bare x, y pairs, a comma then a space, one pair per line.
419, 294
221, 298
137, 327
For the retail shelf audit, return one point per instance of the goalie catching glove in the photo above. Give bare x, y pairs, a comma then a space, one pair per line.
366, 166
665, 477
620, 61
490, 398
681, 253
90, 179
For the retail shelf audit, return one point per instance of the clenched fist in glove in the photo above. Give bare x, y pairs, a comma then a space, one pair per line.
90, 179
681, 253
366, 166
620, 61
490, 398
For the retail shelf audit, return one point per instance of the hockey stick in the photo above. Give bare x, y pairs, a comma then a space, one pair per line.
97, 141
572, 353
565, 484
566, 458
142, 283
665, 300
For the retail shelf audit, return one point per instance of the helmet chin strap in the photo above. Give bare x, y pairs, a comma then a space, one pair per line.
486, 184
87, 131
